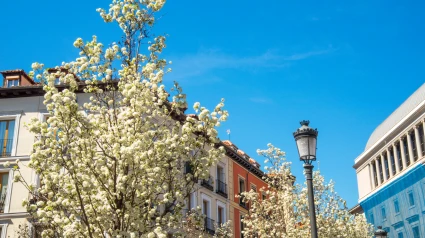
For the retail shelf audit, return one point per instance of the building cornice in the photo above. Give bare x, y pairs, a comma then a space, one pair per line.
8, 216
37, 90
404, 124
231, 153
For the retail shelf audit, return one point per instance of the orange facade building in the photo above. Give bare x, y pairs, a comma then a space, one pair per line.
244, 175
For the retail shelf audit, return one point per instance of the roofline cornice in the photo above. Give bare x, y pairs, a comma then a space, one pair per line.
400, 126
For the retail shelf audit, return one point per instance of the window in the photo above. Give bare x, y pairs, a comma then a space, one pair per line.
57, 81
406, 150
383, 213
264, 197
242, 226
387, 168
241, 190
400, 234
372, 219
396, 206
253, 187
7, 129
375, 176
400, 160
205, 208
414, 149
4, 181
220, 215
411, 199
221, 187
220, 174
241, 185
415, 231
392, 160
12, 83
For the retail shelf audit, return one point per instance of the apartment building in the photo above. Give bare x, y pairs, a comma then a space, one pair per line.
391, 172
21, 99
244, 175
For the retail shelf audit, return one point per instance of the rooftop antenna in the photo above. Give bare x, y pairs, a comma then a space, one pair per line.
228, 133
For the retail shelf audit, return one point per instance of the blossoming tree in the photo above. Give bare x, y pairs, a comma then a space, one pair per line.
285, 211
112, 166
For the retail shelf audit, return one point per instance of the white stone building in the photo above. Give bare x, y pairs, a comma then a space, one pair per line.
391, 172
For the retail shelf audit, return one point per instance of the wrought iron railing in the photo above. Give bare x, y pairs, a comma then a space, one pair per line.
187, 168
6, 147
242, 203
208, 183
2, 202
221, 188
209, 225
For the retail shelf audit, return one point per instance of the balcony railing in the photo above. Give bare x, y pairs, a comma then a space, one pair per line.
187, 168
6, 147
208, 183
241, 202
2, 202
221, 188
209, 225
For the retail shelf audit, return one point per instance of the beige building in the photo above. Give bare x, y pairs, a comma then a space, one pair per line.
21, 99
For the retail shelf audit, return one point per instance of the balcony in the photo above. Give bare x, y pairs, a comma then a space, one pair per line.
209, 225
6, 147
2, 202
221, 188
187, 168
208, 183
241, 202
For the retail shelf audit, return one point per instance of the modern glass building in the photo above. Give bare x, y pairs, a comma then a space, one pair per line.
391, 171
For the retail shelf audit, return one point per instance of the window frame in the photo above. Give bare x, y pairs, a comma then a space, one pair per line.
12, 80
9, 188
372, 218
223, 167
17, 118
396, 208
222, 205
411, 198
208, 199
240, 178
253, 187
383, 213
416, 225
241, 225
3, 229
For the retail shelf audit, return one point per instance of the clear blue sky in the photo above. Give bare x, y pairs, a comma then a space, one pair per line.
345, 66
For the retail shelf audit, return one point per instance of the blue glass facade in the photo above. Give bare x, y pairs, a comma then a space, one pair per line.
400, 207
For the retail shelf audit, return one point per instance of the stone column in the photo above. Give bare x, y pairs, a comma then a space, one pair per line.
384, 171
410, 147
372, 175
397, 165
418, 143
378, 171
423, 130
403, 153
390, 166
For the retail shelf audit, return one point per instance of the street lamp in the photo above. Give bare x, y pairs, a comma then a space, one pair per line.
380, 233
306, 139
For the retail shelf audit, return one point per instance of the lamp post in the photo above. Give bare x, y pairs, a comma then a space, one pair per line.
380, 233
306, 139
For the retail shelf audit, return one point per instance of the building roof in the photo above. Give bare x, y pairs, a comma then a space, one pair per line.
401, 112
19, 71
